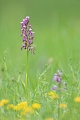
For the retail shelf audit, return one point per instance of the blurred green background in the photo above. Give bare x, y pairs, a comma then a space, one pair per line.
56, 24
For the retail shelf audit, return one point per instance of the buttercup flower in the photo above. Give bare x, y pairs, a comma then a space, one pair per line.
53, 95
20, 106
62, 105
49, 119
27, 34
77, 99
36, 105
10, 106
27, 110
3, 102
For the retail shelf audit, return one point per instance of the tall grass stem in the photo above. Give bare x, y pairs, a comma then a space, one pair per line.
27, 70
59, 99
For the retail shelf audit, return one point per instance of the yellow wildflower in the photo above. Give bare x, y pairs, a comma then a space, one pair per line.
77, 99
36, 105
53, 95
49, 119
27, 110
10, 106
20, 106
3, 102
62, 105
15, 107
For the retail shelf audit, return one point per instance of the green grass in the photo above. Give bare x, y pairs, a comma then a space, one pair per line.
13, 88
57, 38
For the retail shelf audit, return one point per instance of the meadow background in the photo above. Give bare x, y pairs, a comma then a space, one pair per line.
56, 24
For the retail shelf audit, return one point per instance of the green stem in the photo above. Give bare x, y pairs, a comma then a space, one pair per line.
27, 70
59, 100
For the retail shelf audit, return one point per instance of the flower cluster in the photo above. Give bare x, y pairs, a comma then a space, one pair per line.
60, 85
27, 34
58, 78
17, 107
24, 108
